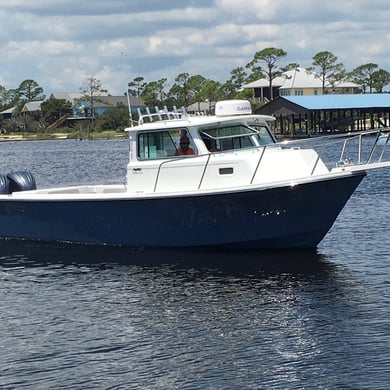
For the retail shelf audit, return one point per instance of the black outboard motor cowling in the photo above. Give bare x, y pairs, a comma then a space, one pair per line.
4, 185
21, 181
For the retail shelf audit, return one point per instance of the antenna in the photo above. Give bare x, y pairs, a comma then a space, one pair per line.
129, 107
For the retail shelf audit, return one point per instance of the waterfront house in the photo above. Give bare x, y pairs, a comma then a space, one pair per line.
297, 82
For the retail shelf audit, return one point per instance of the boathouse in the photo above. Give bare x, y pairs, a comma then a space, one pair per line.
308, 115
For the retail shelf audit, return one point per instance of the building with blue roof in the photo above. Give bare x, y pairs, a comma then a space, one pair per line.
329, 113
342, 102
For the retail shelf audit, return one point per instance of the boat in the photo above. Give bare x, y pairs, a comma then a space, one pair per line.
198, 181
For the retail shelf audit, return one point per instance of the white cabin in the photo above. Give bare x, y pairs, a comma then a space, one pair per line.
234, 148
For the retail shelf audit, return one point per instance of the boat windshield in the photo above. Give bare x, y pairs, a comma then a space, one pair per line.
228, 137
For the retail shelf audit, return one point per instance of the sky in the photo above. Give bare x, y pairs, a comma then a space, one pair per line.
61, 43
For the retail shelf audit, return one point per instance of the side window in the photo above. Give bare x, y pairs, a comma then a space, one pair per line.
265, 138
228, 138
211, 143
162, 144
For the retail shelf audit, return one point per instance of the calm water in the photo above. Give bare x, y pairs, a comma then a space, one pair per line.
100, 318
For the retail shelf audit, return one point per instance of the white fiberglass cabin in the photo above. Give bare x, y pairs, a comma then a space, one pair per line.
234, 148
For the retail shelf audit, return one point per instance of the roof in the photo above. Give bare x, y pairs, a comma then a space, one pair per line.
201, 106
340, 102
110, 101
298, 78
104, 101
32, 106
8, 111
68, 96
198, 120
101, 100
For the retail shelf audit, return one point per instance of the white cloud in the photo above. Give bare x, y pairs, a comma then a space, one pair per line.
39, 48
60, 43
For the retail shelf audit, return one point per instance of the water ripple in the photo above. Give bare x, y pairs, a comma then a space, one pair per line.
76, 317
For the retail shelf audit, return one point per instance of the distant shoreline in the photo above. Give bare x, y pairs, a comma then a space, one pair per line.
58, 136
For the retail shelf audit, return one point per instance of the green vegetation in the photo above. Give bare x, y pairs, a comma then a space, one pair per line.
186, 90
269, 57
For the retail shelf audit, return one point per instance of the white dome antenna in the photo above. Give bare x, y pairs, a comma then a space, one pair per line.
233, 107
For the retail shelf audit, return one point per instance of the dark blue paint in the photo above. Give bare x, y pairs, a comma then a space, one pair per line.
285, 217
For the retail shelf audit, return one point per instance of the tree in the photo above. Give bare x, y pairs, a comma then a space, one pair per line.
256, 72
288, 67
362, 76
3, 97
150, 94
380, 79
195, 85
330, 72
29, 91
53, 109
211, 92
91, 89
10, 98
228, 90
238, 78
179, 91
269, 56
114, 118
136, 86
161, 84
187, 89
153, 93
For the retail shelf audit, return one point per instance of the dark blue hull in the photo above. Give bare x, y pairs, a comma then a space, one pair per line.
286, 217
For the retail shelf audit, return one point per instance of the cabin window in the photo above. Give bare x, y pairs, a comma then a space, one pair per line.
161, 144
228, 137
264, 135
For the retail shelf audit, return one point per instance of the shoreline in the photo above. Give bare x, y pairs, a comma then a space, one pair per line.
58, 136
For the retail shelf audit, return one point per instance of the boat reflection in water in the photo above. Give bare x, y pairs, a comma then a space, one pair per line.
20, 253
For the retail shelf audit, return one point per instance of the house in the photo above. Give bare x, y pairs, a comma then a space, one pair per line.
297, 82
82, 108
32, 107
28, 108
103, 103
7, 114
201, 108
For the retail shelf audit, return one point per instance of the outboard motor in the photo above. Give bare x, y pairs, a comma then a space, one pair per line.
4, 185
21, 181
